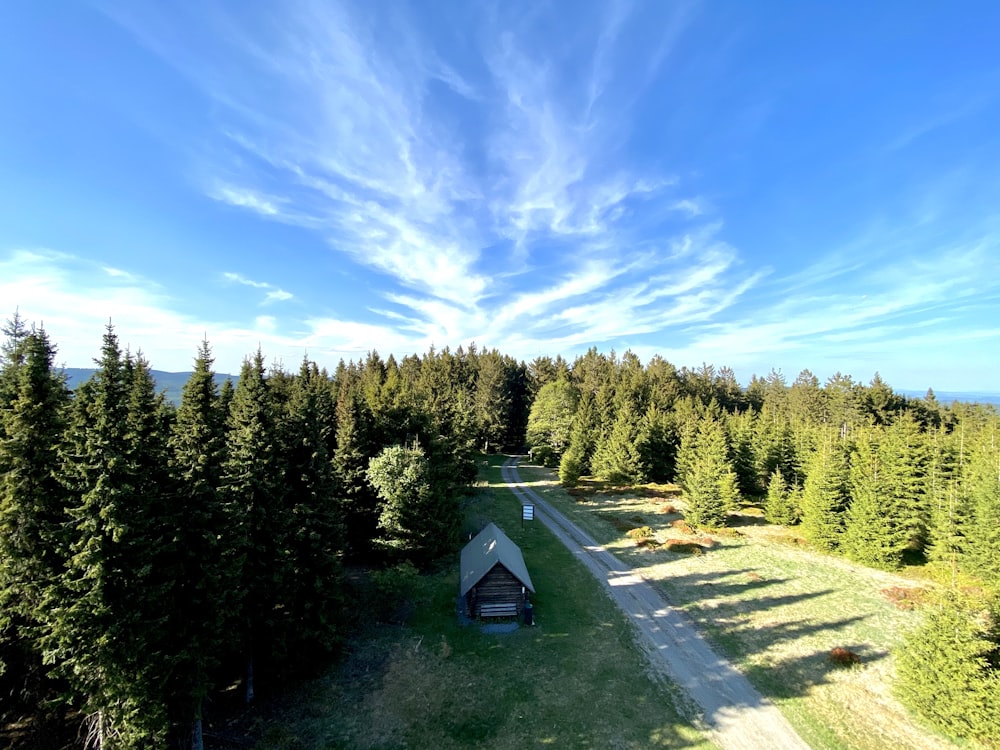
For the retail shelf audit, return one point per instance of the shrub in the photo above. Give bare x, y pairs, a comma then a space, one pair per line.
641, 535
684, 547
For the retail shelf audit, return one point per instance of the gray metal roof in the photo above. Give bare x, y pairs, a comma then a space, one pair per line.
489, 547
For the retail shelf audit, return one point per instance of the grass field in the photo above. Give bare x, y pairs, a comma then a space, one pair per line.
574, 680
773, 607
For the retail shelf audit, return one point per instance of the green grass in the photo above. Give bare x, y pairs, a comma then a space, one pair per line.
574, 680
776, 610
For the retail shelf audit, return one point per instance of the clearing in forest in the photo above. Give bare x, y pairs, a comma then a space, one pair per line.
774, 608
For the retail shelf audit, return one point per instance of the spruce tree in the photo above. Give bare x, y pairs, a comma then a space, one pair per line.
582, 441
905, 453
982, 486
107, 627
200, 556
354, 448
779, 505
742, 428
12, 355
315, 538
948, 503
655, 446
711, 490
825, 495
493, 400
32, 514
617, 458
875, 531
946, 669
253, 491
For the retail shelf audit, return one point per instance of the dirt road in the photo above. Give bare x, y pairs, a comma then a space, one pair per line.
735, 714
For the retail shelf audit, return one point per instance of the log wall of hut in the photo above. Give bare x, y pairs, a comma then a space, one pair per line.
499, 586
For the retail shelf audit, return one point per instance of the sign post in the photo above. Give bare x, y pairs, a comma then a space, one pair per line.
527, 514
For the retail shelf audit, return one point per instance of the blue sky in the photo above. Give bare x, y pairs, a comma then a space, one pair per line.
754, 184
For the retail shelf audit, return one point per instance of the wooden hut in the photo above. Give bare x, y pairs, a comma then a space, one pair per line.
495, 581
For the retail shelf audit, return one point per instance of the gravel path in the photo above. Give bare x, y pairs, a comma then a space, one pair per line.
736, 715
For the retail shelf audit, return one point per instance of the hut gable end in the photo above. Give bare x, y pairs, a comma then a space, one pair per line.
493, 572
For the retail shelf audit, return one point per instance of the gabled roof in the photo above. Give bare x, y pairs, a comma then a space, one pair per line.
489, 547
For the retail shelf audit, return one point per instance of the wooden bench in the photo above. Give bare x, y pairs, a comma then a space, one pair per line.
508, 609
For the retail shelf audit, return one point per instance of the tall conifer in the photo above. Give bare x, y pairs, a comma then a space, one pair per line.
825, 496
32, 513
108, 625
199, 558
253, 489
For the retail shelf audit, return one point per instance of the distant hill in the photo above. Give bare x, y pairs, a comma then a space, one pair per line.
947, 397
172, 383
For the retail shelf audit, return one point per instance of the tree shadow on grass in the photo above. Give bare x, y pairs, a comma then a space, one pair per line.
793, 676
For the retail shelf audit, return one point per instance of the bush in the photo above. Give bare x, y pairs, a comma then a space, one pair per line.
641, 535
684, 547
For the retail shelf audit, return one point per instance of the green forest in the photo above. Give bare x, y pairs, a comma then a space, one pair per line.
152, 553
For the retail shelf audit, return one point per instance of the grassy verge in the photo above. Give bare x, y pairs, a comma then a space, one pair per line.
773, 607
574, 680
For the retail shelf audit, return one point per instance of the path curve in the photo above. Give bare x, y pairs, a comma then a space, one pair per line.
735, 714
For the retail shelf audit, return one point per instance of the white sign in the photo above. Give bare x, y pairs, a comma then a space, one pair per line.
527, 512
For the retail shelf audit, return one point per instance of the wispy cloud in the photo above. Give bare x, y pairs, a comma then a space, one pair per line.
489, 189
241, 279
245, 198
448, 200
274, 294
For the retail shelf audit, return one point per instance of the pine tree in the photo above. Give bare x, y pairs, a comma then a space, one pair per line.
825, 495
199, 561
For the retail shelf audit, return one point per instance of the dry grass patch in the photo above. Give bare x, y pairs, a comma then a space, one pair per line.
904, 598
843, 657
